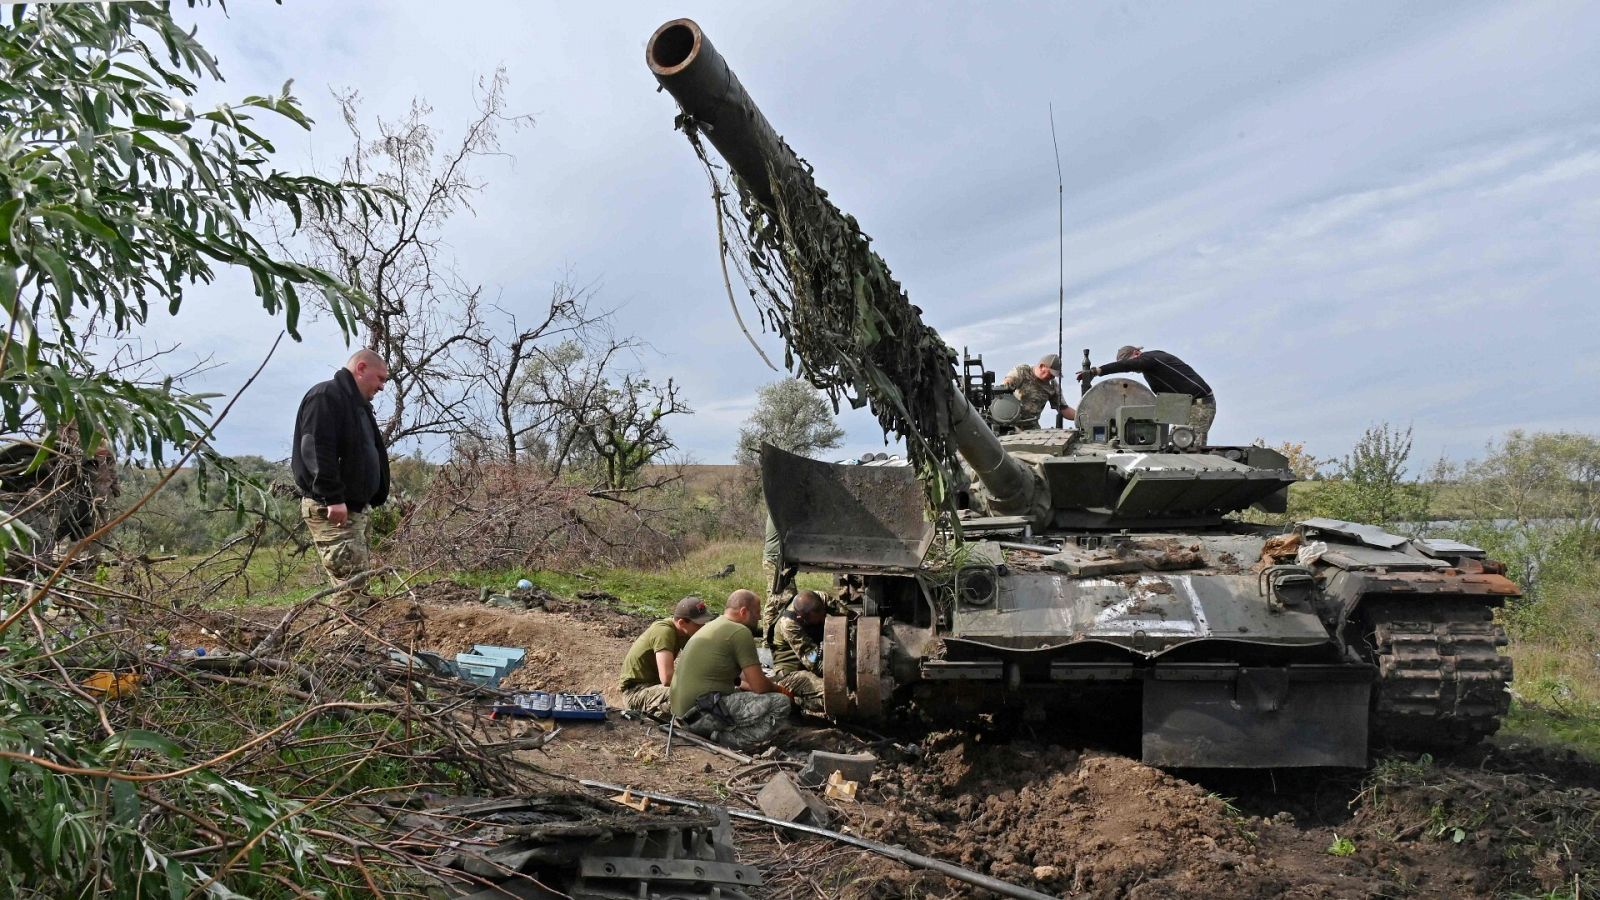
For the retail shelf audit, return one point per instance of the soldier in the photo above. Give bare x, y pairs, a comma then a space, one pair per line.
1036, 387
707, 694
797, 650
341, 467
780, 580
646, 678
1166, 374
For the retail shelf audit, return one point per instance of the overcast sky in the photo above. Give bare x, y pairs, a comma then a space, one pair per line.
1339, 213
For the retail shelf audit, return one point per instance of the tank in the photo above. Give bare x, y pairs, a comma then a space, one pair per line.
1103, 575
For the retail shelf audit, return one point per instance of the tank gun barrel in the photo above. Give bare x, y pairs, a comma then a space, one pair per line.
689, 68
1013, 487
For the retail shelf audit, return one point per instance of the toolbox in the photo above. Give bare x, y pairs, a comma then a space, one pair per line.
545, 705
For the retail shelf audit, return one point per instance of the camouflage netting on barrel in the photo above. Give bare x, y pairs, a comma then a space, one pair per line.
847, 325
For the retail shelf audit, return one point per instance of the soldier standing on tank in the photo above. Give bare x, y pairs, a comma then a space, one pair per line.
797, 649
1166, 374
1036, 387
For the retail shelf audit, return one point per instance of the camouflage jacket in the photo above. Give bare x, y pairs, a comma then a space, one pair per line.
1033, 394
793, 649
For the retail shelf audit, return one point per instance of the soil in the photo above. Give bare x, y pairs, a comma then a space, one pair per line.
1050, 815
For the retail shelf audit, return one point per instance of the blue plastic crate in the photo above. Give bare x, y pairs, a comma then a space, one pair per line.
488, 676
513, 656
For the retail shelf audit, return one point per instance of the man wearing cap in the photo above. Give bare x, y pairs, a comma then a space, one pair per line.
797, 649
1036, 387
719, 690
1166, 374
646, 683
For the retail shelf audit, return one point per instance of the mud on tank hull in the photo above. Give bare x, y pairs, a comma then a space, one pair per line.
1226, 647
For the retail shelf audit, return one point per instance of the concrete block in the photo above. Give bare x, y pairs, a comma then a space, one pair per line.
783, 799
855, 767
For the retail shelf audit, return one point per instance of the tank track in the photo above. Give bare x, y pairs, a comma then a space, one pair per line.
1442, 681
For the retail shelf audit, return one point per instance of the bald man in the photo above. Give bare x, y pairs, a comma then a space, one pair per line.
718, 688
341, 467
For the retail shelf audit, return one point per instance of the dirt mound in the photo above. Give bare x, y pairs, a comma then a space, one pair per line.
1062, 821
565, 652
1531, 823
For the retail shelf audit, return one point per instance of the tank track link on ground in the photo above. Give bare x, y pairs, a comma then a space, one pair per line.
1442, 681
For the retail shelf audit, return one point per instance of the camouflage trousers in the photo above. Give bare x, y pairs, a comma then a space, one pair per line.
1201, 415
344, 549
779, 593
655, 699
806, 687
757, 718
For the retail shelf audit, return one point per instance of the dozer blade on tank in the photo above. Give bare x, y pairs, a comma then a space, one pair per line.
1103, 575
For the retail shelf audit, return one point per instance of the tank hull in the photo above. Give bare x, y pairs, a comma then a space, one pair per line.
1204, 642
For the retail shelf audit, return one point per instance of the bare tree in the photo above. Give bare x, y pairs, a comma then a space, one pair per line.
626, 431
530, 376
560, 394
424, 318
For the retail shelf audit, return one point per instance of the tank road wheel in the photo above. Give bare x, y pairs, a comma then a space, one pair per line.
836, 699
870, 684
1442, 681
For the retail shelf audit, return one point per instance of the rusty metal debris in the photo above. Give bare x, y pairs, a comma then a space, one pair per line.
582, 847
899, 854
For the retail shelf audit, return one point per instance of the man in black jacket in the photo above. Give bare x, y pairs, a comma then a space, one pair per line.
1166, 374
341, 467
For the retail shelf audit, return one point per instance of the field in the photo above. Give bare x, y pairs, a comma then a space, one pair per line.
1515, 817
1048, 810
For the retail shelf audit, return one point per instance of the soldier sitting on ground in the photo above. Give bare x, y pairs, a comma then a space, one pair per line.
646, 681
718, 688
797, 649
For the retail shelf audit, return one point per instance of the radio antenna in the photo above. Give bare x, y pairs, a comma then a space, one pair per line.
1061, 251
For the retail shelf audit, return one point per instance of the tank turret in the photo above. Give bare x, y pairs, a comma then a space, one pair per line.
1118, 468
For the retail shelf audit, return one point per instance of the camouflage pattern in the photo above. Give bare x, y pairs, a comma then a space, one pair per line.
797, 663
655, 699
1201, 415
757, 718
777, 583
780, 589
793, 650
344, 549
806, 687
1033, 394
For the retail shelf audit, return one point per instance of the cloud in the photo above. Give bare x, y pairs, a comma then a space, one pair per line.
1340, 213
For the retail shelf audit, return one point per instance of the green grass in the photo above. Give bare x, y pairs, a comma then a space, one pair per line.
1557, 698
654, 592
277, 579
273, 577
1566, 729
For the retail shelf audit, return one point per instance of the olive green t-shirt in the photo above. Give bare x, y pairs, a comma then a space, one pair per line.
639, 666
711, 661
